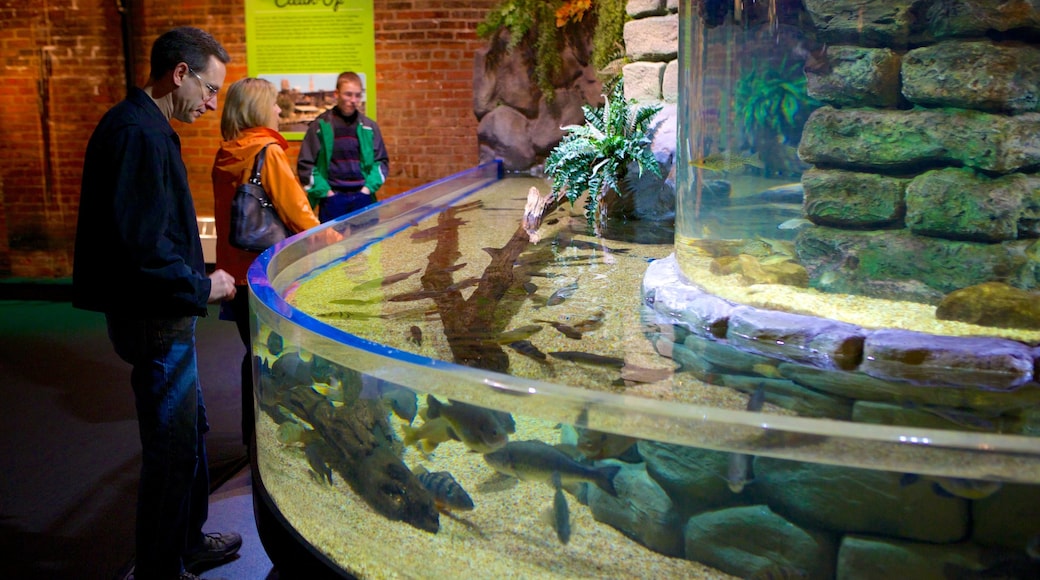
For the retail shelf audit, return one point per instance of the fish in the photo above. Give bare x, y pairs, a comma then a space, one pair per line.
416, 295
794, 224
427, 436
726, 162
274, 343
566, 330
739, 470
562, 294
384, 281
527, 349
290, 432
521, 333
349, 315
589, 358
479, 429
415, 335
355, 301
529, 287
537, 461
594, 322
401, 400
586, 245
560, 513
447, 494
955, 486
316, 451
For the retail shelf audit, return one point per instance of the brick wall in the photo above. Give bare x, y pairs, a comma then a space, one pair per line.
63, 68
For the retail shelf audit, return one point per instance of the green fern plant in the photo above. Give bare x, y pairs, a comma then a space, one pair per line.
773, 98
595, 157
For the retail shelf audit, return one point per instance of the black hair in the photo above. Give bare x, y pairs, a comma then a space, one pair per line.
185, 44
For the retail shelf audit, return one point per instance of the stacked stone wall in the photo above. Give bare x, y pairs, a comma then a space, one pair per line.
926, 149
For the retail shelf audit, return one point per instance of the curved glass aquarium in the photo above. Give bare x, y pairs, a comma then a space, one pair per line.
773, 395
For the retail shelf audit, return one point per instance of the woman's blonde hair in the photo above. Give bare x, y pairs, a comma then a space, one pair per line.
249, 103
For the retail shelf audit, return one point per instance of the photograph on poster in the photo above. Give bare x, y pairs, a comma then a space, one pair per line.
304, 96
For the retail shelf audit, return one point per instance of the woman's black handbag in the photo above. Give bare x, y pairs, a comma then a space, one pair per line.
255, 225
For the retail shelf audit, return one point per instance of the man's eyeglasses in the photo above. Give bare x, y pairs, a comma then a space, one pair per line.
212, 89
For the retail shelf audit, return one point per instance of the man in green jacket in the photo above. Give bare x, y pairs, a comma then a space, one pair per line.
343, 160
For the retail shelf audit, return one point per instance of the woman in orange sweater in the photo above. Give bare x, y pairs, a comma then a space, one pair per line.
250, 121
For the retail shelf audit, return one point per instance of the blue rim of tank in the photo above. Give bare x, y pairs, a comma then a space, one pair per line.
911, 449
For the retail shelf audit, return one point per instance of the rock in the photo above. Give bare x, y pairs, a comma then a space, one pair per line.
927, 359
836, 198
694, 478
891, 140
861, 387
895, 264
874, 557
796, 337
851, 500
960, 204
641, 511
979, 75
992, 304
746, 541
504, 131
856, 76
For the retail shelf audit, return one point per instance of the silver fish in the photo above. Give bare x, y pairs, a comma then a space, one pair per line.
562, 294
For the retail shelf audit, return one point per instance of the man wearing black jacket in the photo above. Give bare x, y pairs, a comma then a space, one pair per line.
139, 261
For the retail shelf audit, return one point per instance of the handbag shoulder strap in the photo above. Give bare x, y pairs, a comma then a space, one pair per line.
258, 165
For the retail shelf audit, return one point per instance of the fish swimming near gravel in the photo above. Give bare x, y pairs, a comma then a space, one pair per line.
521, 333
589, 358
527, 349
479, 429
429, 435
401, 400
537, 461
447, 494
384, 281
415, 335
559, 516
565, 329
562, 294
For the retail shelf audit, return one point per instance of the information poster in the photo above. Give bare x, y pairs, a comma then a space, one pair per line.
301, 46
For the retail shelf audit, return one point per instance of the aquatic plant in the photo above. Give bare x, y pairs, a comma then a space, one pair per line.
773, 97
595, 157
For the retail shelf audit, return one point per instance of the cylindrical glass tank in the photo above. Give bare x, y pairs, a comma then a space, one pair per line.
439, 395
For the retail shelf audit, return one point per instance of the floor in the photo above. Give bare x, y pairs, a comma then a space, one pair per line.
69, 449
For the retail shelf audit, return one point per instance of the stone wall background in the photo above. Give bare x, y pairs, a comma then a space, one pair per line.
926, 150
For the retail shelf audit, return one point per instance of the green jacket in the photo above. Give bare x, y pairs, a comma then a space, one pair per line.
369, 167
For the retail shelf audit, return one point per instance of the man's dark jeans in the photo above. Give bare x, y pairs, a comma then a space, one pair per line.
173, 495
341, 204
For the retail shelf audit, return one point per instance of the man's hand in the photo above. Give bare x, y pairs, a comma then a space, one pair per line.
223, 286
